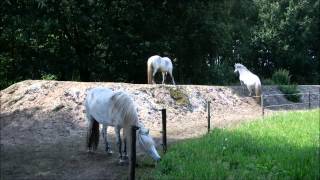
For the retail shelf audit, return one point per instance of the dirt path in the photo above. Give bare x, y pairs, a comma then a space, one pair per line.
43, 124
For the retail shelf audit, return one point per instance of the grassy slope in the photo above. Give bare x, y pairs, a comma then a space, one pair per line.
282, 146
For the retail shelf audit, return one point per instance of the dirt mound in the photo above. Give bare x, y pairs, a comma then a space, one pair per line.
48, 117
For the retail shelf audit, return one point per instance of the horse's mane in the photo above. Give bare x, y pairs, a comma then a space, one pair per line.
240, 66
123, 105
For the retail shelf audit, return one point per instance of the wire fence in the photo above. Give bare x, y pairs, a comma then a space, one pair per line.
270, 104
213, 118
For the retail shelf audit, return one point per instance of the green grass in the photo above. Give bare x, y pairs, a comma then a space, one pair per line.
285, 146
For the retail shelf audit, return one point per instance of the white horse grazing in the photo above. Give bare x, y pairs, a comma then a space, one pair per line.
250, 80
115, 109
156, 63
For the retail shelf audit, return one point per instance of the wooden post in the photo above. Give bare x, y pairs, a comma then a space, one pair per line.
132, 162
164, 130
309, 100
262, 106
209, 116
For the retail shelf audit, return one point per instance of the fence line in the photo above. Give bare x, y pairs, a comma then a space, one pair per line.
270, 95
263, 97
290, 104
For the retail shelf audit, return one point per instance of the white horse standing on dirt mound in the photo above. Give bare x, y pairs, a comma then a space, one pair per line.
115, 109
156, 63
250, 80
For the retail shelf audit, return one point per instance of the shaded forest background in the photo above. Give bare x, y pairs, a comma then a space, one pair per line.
105, 40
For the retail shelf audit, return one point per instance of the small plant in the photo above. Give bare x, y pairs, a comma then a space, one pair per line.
180, 97
290, 92
48, 77
281, 77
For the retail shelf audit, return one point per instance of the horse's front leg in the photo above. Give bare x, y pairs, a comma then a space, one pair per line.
119, 142
250, 91
104, 134
125, 156
243, 87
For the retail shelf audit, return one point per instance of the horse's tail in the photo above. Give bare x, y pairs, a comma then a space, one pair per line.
258, 92
93, 135
150, 71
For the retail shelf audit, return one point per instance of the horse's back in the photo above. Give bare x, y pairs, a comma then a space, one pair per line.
153, 58
97, 102
249, 78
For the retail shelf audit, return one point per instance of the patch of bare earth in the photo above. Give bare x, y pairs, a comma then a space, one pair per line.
43, 125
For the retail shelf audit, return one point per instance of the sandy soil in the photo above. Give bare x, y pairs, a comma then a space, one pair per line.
43, 124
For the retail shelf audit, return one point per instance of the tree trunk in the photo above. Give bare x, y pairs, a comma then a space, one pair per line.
83, 59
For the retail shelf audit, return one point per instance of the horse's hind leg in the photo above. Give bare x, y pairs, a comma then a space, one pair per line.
105, 134
172, 78
163, 77
153, 74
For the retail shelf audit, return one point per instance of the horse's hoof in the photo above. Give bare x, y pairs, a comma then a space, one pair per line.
125, 158
123, 162
109, 151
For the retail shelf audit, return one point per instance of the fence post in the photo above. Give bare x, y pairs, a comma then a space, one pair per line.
132, 162
164, 130
262, 106
309, 100
209, 116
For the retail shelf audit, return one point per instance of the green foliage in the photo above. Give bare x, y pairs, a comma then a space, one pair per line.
111, 40
48, 77
284, 146
291, 92
179, 96
221, 74
267, 82
281, 77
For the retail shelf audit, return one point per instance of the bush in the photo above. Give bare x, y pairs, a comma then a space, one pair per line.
267, 82
281, 77
290, 92
48, 77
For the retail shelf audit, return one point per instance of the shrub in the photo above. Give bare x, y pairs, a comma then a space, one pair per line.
267, 82
281, 77
48, 77
290, 92
179, 96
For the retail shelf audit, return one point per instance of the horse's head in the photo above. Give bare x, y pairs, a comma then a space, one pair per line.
147, 143
238, 67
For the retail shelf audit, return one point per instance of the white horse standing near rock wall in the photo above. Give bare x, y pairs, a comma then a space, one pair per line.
115, 109
156, 63
250, 80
